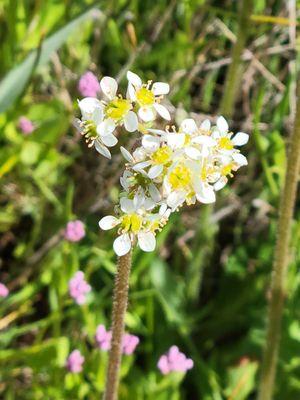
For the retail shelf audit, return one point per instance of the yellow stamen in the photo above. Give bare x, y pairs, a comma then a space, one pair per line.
162, 155
132, 223
180, 177
225, 143
117, 108
145, 97
226, 170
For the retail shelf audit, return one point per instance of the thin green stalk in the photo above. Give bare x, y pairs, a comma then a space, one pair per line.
281, 259
233, 77
118, 317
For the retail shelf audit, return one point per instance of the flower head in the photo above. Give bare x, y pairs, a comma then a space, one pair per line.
74, 362
88, 85
174, 360
4, 292
129, 343
74, 231
147, 97
79, 288
103, 339
25, 125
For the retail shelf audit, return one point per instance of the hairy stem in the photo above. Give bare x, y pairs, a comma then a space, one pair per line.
281, 259
118, 316
233, 77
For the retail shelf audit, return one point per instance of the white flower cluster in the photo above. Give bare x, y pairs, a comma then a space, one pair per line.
170, 168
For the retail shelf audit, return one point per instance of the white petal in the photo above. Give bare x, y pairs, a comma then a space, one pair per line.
88, 105
220, 183
140, 166
150, 142
149, 204
193, 153
126, 154
146, 241
205, 125
205, 194
188, 125
240, 159
162, 209
127, 205
134, 79
146, 114
122, 245
131, 92
139, 199
109, 86
154, 193
162, 111
204, 140
108, 222
175, 199
131, 121
102, 149
240, 139
109, 140
155, 171
106, 127
175, 140
159, 88
222, 124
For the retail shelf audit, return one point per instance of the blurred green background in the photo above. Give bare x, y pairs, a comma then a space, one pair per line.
205, 289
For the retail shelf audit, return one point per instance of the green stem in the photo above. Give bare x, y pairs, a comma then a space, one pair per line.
281, 259
233, 77
118, 320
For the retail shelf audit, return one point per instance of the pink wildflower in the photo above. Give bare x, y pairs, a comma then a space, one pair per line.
88, 85
174, 360
25, 125
78, 288
3, 290
75, 361
129, 343
103, 338
74, 231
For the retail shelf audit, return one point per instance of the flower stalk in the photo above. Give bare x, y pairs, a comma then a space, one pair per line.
120, 302
233, 77
281, 260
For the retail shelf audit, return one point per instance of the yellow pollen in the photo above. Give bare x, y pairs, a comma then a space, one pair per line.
145, 97
180, 177
226, 170
162, 155
132, 223
187, 139
117, 108
225, 143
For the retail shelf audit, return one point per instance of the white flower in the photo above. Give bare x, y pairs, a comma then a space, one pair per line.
117, 111
134, 223
92, 111
148, 97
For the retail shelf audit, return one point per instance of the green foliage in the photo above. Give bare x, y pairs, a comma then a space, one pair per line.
205, 289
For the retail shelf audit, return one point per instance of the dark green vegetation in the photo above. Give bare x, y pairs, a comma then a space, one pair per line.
206, 287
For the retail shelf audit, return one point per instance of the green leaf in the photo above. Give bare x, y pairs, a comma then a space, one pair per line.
15, 81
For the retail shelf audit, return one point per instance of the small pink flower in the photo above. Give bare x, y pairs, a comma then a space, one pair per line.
3, 290
174, 360
103, 338
129, 343
78, 288
88, 85
74, 231
25, 125
75, 361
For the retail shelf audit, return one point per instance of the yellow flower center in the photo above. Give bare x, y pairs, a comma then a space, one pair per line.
132, 223
180, 177
162, 155
225, 143
145, 97
226, 170
187, 139
117, 108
